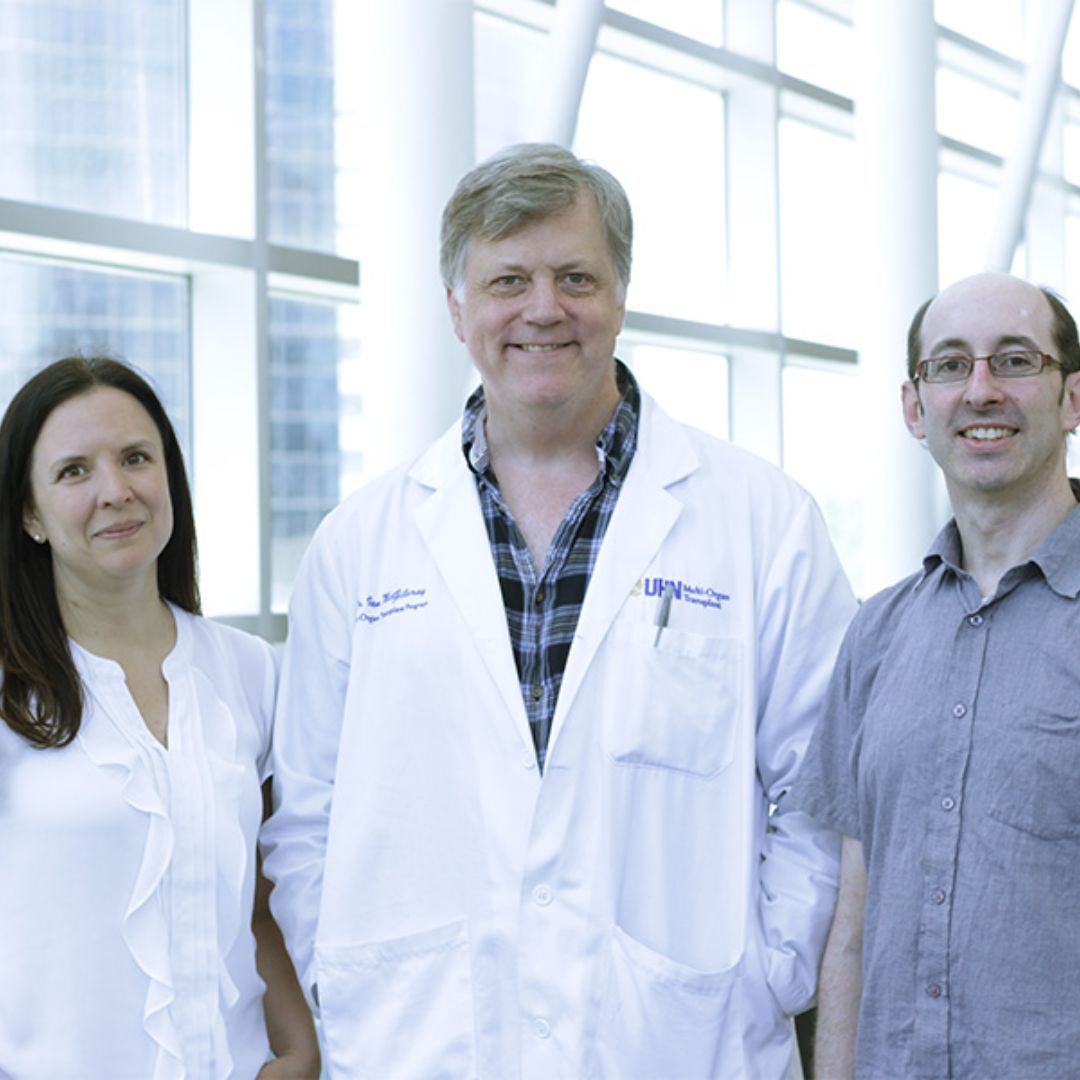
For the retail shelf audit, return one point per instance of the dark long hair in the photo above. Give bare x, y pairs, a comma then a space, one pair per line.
41, 696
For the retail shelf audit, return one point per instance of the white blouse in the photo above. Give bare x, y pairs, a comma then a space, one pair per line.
127, 875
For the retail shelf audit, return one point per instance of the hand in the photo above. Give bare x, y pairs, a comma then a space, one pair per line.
290, 1067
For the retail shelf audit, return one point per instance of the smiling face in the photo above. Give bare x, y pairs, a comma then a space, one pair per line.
996, 437
100, 493
539, 312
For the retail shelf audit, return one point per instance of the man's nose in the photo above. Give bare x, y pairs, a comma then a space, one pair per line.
982, 385
544, 302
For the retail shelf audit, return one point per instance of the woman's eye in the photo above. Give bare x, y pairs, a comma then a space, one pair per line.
137, 457
70, 472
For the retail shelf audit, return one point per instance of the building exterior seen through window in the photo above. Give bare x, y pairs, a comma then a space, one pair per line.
731, 126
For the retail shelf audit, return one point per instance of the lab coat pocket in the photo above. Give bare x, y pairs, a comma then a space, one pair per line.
678, 699
659, 1018
399, 1009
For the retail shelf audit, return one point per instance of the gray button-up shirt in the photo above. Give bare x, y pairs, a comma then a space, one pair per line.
950, 747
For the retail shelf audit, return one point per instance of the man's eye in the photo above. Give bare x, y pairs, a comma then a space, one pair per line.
1016, 362
952, 365
577, 280
507, 281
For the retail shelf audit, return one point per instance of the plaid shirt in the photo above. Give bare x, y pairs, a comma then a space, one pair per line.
542, 609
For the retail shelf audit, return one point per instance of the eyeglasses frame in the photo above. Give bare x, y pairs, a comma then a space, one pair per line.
1045, 361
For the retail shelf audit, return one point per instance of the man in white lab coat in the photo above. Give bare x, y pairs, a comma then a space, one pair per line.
543, 686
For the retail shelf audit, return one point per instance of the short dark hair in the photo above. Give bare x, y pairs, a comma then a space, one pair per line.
1065, 336
1064, 330
41, 695
914, 338
523, 184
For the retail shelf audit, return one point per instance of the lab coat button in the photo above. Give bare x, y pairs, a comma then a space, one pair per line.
541, 1027
543, 895
528, 759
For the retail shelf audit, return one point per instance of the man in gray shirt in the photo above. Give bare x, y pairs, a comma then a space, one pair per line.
949, 753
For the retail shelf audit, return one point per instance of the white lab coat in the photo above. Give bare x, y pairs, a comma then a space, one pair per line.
635, 913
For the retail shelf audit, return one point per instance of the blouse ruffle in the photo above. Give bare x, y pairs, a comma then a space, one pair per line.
116, 739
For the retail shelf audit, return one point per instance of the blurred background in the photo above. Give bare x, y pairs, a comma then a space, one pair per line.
241, 197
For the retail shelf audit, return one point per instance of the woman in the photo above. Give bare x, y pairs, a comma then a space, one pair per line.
132, 752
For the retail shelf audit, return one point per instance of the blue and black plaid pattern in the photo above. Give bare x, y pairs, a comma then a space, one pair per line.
542, 608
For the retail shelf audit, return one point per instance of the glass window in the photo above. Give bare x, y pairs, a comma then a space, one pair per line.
506, 56
1072, 153
819, 456
1070, 56
93, 106
316, 449
691, 18
692, 386
675, 181
975, 113
311, 112
52, 310
1072, 261
815, 46
997, 23
818, 271
966, 213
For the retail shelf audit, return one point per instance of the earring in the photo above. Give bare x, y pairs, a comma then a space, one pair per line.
39, 538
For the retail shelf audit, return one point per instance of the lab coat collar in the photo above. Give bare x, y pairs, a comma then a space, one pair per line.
451, 522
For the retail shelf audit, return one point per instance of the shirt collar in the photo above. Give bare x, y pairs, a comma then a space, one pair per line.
1056, 556
615, 445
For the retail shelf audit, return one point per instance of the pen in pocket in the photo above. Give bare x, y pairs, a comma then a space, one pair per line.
663, 610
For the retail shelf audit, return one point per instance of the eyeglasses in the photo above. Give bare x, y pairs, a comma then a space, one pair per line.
1007, 364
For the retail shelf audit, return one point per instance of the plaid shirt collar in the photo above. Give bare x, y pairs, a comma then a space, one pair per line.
615, 445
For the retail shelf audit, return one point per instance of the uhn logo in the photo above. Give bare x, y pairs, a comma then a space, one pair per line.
655, 587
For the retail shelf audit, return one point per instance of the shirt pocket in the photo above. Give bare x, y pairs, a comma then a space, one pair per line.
660, 1018
678, 699
401, 1008
1036, 789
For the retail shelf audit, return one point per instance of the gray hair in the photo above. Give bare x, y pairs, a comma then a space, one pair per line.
524, 184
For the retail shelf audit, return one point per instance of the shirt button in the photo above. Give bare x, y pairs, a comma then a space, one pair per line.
537, 693
540, 595
948, 803
975, 620
543, 895
938, 896
934, 990
541, 1027
959, 710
